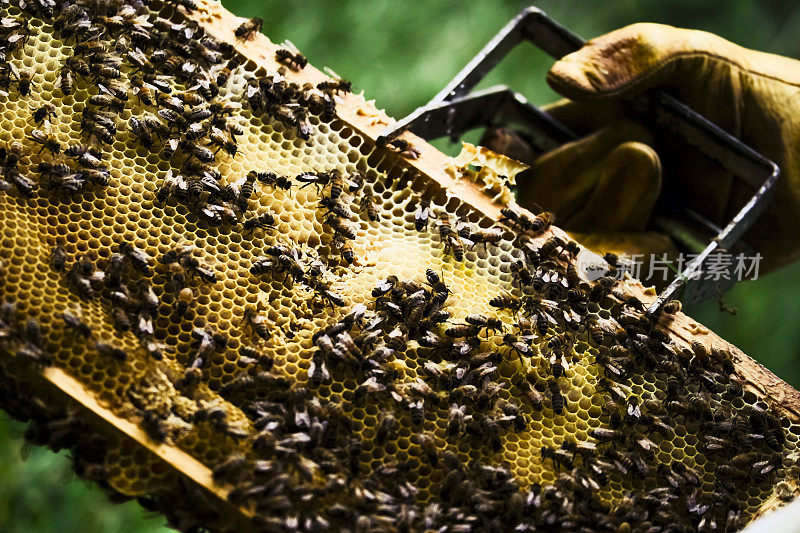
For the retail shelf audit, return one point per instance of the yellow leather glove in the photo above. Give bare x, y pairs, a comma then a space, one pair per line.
605, 183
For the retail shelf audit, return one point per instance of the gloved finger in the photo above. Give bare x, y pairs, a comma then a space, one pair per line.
582, 117
627, 189
564, 179
635, 58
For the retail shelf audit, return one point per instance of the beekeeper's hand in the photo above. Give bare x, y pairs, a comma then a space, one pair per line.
606, 182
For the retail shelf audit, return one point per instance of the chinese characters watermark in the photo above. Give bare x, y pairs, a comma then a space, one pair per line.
716, 267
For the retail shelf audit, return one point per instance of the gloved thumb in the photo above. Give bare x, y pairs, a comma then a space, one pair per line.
635, 58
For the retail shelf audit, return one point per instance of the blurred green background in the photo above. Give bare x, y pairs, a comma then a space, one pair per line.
401, 54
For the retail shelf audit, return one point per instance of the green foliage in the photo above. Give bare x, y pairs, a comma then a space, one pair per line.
401, 54
43, 495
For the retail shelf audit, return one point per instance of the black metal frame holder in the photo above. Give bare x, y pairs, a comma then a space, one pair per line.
455, 110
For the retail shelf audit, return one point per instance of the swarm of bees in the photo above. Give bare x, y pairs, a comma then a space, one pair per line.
325, 446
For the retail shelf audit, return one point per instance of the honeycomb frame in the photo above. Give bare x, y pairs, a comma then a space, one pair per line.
364, 122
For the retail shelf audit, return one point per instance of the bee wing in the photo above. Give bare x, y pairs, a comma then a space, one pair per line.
290, 45
232, 105
329, 71
647, 444
465, 348
241, 181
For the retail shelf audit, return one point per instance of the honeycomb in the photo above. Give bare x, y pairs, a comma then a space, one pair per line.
243, 356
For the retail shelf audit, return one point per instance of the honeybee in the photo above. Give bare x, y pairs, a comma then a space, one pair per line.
207, 89
174, 119
155, 124
222, 142
371, 386
518, 344
25, 77
555, 397
46, 141
224, 74
490, 323
97, 130
121, 319
520, 272
139, 259
173, 64
317, 372
387, 427
140, 131
485, 236
11, 154
105, 101
256, 322
328, 107
194, 266
154, 425
336, 85
76, 323
340, 227
25, 186
45, 111
262, 221
255, 357
328, 296
369, 207
196, 131
248, 28
421, 214
671, 307
346, 250
172, 103
109, 350
335, 207
518, 219
559, 456
58, 258
200, 152
542, 222
403, 147
270, 178
527, 388
336, 180
427, 443
506, 301
291, 57
170, 147
462, 330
